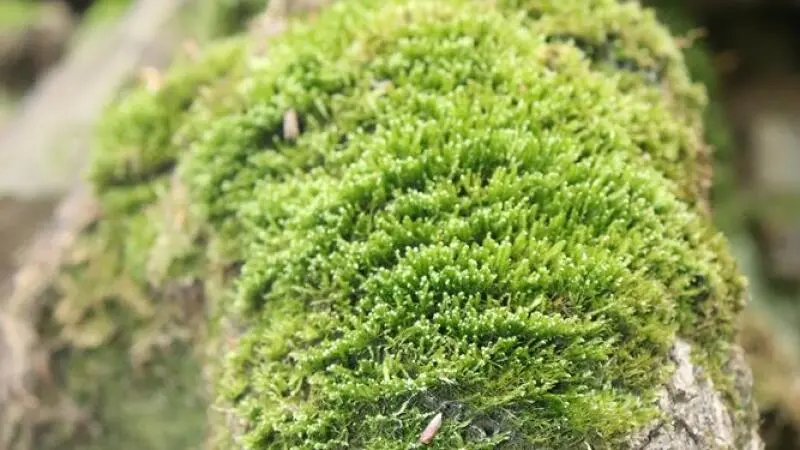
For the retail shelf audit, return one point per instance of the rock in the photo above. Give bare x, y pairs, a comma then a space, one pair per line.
696, 416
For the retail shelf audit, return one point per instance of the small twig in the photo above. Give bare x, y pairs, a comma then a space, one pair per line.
430, 431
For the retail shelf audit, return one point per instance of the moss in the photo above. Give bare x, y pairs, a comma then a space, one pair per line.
137, 136
450, 220
228, 17
104, 11
160, 407
18, 13
126, 353
492, 210
130, 318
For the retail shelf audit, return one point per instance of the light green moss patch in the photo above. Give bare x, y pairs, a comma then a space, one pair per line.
491, 210
15, 14
472, 200
131, 314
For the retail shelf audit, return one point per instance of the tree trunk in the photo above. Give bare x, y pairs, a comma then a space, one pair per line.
414, 209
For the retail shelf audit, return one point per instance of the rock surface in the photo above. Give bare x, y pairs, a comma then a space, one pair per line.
696, 415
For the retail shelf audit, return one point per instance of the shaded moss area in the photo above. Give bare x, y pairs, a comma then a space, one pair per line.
158, 406
736, 207
127, 332
228, 17
491, 210
126, 351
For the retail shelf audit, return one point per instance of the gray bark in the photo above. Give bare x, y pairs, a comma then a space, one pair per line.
696, 417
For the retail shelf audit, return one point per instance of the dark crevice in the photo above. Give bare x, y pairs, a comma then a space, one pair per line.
681, 423
132, 178
605, 53
482, 425
651, 435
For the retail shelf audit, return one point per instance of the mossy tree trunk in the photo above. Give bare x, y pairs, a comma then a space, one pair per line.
492, 211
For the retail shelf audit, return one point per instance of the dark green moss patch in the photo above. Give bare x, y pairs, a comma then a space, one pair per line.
727, 209
229, 17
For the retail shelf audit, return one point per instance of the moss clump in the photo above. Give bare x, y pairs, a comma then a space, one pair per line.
127, 330
491, 210
228, 17
138, 135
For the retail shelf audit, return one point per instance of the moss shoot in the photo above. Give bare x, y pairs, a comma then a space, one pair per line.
489, 210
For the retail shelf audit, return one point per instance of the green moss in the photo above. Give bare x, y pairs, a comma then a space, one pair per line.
491, 211
18, 13
132, 357
137, 136
126, 355
105, 11
159, 407
421, 245
228, 17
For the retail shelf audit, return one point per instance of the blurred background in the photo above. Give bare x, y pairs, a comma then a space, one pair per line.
61, 61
